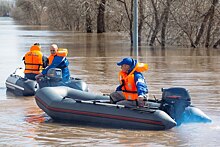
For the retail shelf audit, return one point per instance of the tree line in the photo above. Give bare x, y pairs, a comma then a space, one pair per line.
161, 22
5, 8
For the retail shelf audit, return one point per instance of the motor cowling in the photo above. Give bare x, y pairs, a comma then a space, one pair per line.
174, 101
54, 74
53, 78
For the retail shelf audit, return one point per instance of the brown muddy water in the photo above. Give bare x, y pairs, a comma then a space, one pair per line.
93, 58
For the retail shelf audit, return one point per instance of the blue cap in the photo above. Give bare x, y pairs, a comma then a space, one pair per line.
127, 61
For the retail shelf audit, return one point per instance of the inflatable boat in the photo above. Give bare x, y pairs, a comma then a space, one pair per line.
20, 86
79, 107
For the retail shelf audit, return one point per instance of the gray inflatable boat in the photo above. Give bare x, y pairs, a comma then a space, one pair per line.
20, 86
69, 105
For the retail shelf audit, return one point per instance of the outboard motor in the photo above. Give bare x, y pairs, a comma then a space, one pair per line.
174, 101
53, 78
55, 74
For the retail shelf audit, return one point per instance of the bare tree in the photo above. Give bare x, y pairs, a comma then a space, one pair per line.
5, 8
101, 17
31, 11
129, 16
128, 6
207, 16
160, 20
60, 13
216, 44
165, 22
210, 24
156, 27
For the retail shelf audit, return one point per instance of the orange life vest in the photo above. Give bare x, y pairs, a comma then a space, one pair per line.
62, 52
128, 83
33, 60
50, 58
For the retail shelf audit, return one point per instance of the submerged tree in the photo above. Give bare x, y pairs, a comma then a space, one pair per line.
5, 8
88, 18
128, 7
208, 17
161, 22
101, 17
30, 11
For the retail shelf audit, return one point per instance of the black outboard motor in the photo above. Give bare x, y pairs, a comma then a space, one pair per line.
174, 101
54, 78
55, 74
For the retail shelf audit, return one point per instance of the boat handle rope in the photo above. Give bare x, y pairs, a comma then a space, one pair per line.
101, 102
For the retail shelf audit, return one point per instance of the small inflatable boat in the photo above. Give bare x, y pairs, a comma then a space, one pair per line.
20, 86
67, 104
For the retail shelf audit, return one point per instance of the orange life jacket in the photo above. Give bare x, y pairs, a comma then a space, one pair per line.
33, 60
50, 58
62, 52
128, 83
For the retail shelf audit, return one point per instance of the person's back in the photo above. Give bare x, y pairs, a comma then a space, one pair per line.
34, 62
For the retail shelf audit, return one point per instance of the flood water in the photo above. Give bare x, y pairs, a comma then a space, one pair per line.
93, 58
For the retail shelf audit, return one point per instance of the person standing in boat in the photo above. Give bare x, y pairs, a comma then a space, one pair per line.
57, 59
34, 61
133, 89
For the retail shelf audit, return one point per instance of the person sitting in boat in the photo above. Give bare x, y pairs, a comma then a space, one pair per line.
57, 59
133, 89
34, 61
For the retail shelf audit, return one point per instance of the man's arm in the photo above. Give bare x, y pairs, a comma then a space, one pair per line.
141, 85
56, 61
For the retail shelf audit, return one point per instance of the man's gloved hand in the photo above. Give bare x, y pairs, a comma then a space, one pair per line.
146, 97
142, 100
143, 97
